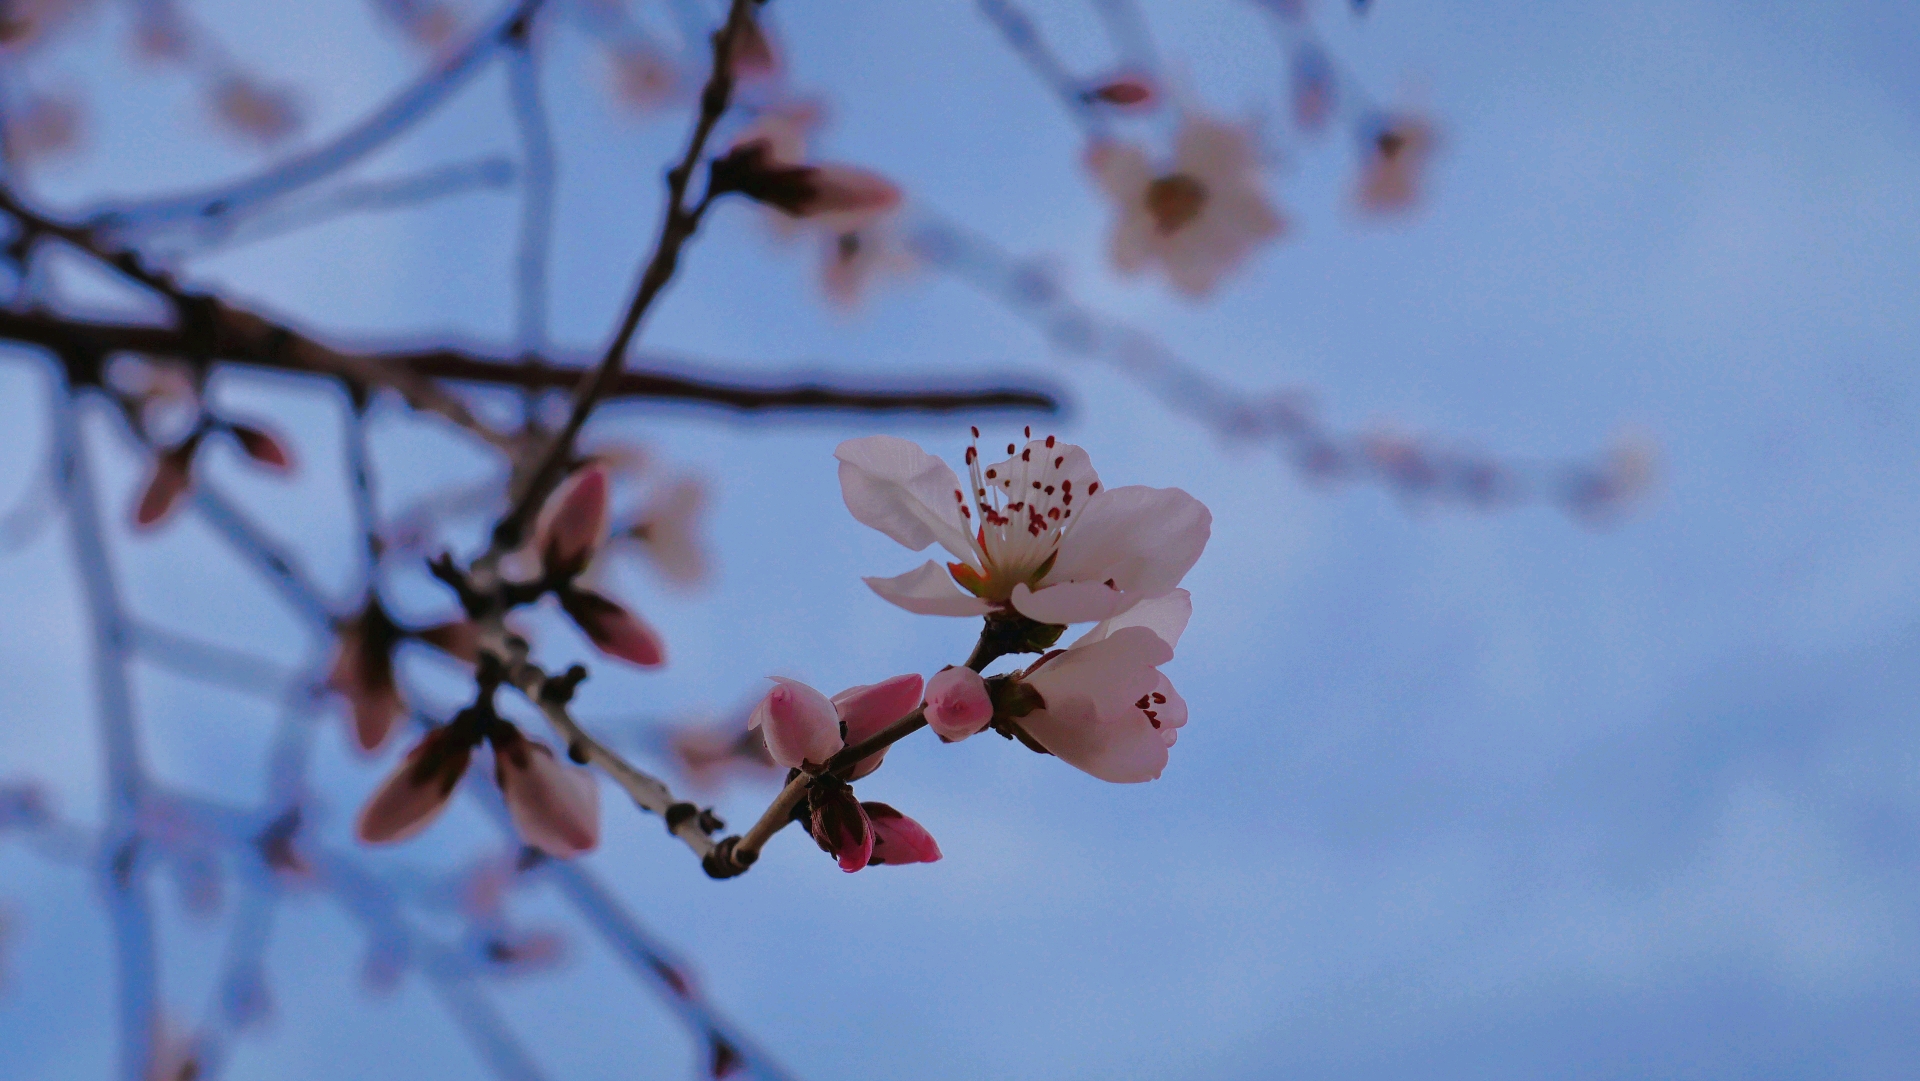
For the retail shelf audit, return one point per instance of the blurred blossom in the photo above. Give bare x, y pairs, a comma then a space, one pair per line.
43, 127
23, 805
1627, 477
27, 23
644, 77
1312, 87
522, 953
362, 673
414, 794
1397, 151
708, 755
1198, 218
555, 806
669, 532
258, 113
804, 728
853, 262
754, 57
1127, 91
1027, 551
170, 478
428, 24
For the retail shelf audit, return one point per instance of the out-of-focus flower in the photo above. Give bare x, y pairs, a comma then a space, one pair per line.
555, 806
521, 953
805, 728
667, 530
261, 114
413, 795
754, 58
854, 260
571, 530
171, 478
708, 756
1312, 87
612, 629
1021, 541
1397, 150
1105, 707
362, 673
26, 23
957, 703
645, 78
1631, 471
43, 127
898, 839
836, 197
1200, 218
159, 34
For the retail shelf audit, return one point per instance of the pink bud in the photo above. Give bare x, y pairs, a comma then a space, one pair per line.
573, 523
415, 794
1129, 90
753, 56
614, 630
840, 825
363, 674
556, 807
801, 726
263, 448
172, 476
847, 189
958, 704
866, 710
897, 838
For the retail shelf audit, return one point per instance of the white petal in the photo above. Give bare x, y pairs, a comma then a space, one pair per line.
904, 492
1122, 753
1143, 540
928, 590
1214, 153
1108, 676
1165, 616
1069, 602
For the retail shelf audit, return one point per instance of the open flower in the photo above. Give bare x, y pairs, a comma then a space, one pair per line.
1040, 534
1106, 708
1200, 218
805, 728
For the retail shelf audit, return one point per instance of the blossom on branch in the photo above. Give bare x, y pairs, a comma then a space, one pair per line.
1198, 219
554, 806
413, 795
1105, 706
958, 704
571, 531
896, 838
1039, 536
805, 728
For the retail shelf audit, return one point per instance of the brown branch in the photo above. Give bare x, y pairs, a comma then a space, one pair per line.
84, 338
676, 227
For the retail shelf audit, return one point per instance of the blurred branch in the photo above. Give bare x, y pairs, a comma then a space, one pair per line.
386, 366
535, 245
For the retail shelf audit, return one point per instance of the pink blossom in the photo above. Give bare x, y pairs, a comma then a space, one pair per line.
362, 673
413, 795
554, 806
171, 478
1396, 163
957, 703
897, 838
1040, 535
668, 531
614, 630
1198, 219
1107, 709
866, 710
260, 113
644, 78
857, 258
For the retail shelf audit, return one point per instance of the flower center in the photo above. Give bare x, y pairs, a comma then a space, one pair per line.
1175, 200
1020, 507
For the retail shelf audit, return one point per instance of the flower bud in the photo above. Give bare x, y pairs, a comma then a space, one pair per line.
867, 710
897, 838
415, 794
554, 806
262, 448
800, 724
614, 630
958, 704
363, 674
171, 478
572, 524
839, 824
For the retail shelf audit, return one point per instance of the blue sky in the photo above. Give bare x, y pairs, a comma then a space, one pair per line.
1462, 796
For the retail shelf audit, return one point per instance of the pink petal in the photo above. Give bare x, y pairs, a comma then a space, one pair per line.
413, 795
263, 448
866, 710
614, 630
957, 703
363, 675
573, 523
801, 726
928, 590
840, 825
891, 485
554, 806
172, 476
897, 838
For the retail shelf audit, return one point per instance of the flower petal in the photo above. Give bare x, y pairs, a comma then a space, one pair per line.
555, 807
897, 838
1120, 753
839, 825
957, 703
1068, 602
1165, 616
414, 794
1142, 539
895, 487
573, 523
1091, 718
866, 710
928, 590
800, 724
